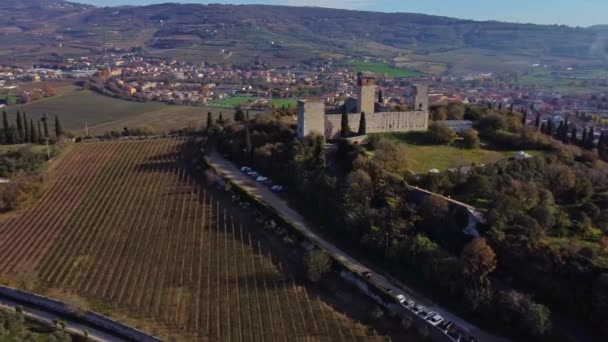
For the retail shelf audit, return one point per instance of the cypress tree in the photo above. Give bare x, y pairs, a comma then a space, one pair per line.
239, 115
58, 129
209, 120
380, 96
344, 128
550, 127
26, 129
45, 123
20, 133
583, 140
220, 120
573, 137
524, 118
247, 114
5, 127
537, 123
590, 139
33, 132
40, 138
560, 129
248, 146
362, 124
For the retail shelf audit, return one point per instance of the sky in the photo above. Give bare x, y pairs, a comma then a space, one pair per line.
569, 12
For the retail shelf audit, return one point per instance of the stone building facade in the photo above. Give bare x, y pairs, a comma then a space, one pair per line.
312, 117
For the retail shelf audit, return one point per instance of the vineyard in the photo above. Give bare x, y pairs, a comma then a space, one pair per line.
126, 226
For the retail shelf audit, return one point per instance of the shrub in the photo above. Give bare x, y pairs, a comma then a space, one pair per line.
318, 263
441, 134
493, 122
471, 138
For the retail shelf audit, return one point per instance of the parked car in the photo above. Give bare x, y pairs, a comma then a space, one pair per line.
401, 298
252, 174
434, 319
261, 179
409, 304
367, 274
245, 169
418, 308
277, 188
389, 290
445, 325
423, 313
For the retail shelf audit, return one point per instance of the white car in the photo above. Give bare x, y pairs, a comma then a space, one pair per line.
434, 318
401, 298
261, 179
418, 308
245, 169
408, 303
252, 174
277, 188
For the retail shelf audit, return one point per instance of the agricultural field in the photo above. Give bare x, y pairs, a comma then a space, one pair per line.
234, 101
131, 232
103, 114
381, 68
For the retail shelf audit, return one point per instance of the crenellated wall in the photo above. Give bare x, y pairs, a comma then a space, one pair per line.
378, 122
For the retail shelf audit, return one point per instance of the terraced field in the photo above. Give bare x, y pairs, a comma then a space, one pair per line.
125, 226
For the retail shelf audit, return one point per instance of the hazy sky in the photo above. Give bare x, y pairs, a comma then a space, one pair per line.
569, 12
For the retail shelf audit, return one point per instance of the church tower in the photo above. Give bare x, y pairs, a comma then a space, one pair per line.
367, 93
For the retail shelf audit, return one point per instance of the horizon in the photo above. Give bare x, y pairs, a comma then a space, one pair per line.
541, 12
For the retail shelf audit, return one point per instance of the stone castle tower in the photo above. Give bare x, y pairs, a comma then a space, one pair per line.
366, 85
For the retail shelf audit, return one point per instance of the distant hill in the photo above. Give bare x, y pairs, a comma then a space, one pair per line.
283, 33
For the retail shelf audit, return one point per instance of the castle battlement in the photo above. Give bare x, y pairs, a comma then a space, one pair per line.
312, 117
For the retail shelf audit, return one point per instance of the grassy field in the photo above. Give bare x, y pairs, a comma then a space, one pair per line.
382, 68
102, 113
422, 157
131, 233
234, 101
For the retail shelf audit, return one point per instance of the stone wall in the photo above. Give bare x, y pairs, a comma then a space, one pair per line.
310, 117
378, 122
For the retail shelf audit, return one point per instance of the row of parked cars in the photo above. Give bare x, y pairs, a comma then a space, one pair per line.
450, 329
262, 179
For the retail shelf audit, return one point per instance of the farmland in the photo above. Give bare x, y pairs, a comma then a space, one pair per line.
381, 68
131, 232
103, 114
234, 101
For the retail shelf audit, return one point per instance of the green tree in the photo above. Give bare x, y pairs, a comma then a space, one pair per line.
478, 259
573, 137
439, 133
33, 133
45, 123
362, 125
209, 120
493, 122
58, 128
39, 132
220, 120
239, 115
248, 147
20, 132
537, 122
455, 111
318, 264
380, 97
26, 130
344, 126
6, 128
471, 138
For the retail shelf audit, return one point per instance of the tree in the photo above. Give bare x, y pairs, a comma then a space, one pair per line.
455, 111
33, 132
537, 122
390, 156
248, 146
6, 128
362, 125
524, 118
318, 264
20, 132
471, 138
45, 122
26, 129
439, 133
39, 133
478, 259
239, 115
439, 113
590, 143
58, 129
209, 120
573, 137
220, 120
247, 114
549, 127
344, 126
493, 122
380, 97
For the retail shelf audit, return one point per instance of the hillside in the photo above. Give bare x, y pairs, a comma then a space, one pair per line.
280, 33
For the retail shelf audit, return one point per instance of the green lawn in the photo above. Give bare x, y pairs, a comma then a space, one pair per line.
422, 157
382, 68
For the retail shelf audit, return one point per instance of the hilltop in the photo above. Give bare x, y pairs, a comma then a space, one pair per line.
283, 34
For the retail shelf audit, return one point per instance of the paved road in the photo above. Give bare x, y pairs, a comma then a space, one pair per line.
71, 327
262, 193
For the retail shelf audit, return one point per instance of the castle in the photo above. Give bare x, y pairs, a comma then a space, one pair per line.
313, 119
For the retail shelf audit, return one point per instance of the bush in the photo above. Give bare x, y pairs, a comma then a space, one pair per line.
471, 138
441, 134
318, 263
493, 122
